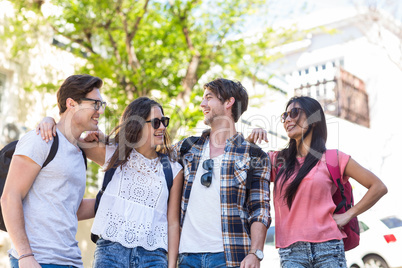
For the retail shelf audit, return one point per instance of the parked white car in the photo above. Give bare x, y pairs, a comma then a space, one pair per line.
380, 243
271, 255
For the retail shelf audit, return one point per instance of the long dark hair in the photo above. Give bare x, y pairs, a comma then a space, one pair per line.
287, 157
127, 134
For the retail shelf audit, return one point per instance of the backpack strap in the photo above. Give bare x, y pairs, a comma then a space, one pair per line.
85, 158
255, 153
331, 157
167, 170
187, 144
106, 179
53, 151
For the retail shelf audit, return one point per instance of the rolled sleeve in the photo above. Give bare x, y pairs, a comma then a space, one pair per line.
258, 202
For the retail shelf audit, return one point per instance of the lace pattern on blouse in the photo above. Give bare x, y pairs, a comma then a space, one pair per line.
134, 213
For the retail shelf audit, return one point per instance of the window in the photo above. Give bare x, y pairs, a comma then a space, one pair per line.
270, 240
363, 227
392, 222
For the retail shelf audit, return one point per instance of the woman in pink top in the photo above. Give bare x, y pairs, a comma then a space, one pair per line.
308, 234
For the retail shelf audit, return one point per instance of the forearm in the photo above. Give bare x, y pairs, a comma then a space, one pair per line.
86, 209
258, 232
173, 244
13, 215
374, 193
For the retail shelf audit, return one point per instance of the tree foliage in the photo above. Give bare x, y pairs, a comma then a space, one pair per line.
165, 49
154, 47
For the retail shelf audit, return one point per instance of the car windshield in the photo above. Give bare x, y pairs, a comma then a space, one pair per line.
392, 222
270, 236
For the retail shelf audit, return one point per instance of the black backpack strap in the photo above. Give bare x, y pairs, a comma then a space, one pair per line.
187, 144
255, 154
331, 157
85, 158
106, 179
53, 151
167, 170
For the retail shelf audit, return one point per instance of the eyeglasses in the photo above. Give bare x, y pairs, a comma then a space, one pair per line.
293, 113
156, 122
98, 103
206, 178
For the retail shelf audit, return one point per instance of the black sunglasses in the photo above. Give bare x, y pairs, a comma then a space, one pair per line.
206, 179
98, 103
156, 122
293, 113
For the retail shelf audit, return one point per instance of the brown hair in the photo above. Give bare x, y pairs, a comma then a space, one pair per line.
224, 89
128, 132
76, 87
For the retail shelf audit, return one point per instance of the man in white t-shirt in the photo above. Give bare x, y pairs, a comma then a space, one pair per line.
41, 206
224, 222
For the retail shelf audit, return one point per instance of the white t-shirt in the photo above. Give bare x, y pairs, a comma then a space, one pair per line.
50, 207
133, 208
202, 228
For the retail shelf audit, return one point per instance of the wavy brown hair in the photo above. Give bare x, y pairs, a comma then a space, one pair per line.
128, 133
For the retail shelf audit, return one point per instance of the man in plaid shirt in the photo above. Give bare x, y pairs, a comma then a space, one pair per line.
224, 217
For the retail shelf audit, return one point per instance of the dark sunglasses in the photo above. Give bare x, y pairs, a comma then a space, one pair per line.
293, 113
98, 103
156, 122
206, 179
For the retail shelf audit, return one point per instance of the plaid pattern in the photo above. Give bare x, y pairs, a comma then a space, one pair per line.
237, 211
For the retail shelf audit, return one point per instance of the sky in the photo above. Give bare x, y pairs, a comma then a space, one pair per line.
281, 11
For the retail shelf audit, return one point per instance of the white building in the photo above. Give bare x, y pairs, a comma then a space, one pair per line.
356, 73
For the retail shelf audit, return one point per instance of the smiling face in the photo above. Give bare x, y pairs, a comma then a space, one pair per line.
154, 137
212, 107
86, 116
295, 127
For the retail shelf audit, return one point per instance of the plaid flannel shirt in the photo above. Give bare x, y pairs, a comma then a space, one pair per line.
238, 209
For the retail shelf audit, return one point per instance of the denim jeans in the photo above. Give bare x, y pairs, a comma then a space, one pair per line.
110, 254
202, 260
14, 264
329, 254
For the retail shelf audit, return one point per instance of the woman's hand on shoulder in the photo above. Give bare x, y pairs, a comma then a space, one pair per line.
258, 135
47, 128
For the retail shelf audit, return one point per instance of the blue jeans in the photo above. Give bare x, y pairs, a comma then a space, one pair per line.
14, 264
202, 260
110, 254
329, 254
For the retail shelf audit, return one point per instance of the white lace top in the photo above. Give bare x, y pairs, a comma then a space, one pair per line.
133, 209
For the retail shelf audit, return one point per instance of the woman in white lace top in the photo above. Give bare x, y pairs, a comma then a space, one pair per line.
137, 213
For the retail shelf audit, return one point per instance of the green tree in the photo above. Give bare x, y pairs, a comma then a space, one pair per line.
159, 48
156, 48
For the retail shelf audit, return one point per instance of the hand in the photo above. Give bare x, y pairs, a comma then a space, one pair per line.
341, 219
250, 261
28, 262
258, 135
94, 136
47, 128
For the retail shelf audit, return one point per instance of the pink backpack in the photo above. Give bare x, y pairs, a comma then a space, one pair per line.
343, 198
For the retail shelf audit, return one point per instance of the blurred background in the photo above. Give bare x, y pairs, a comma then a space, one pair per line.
347, 54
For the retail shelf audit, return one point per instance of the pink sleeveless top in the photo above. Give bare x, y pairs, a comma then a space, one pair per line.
310, 218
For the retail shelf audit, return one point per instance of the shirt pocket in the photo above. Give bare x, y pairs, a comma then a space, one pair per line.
241, 168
